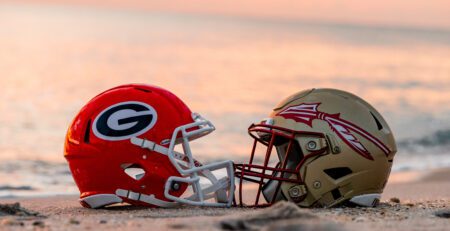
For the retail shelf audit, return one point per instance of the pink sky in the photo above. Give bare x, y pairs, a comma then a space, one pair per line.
421, 13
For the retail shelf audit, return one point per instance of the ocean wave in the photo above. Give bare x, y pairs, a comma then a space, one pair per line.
440, 138
16, 188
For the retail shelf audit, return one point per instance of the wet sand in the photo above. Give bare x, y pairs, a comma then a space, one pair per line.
407, 205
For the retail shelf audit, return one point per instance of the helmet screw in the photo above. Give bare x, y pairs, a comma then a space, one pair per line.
317, 184
175, 187
144, 157
297, 193
336, 149
312, 145
142, 186
294, 192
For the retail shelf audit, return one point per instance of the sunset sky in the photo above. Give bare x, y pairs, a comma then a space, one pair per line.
408, 13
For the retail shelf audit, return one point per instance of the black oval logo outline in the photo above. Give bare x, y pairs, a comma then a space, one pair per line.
124, 120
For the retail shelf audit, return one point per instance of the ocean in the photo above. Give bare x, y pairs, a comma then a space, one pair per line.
233, 71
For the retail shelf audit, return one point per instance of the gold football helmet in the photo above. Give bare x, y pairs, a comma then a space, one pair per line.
331, 147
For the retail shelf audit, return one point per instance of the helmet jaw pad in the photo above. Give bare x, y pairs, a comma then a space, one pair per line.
366, 200
99, 200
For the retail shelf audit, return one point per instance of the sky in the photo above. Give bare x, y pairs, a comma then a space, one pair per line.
433, 14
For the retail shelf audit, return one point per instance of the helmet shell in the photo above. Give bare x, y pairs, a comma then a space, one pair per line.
366, 144
98, 147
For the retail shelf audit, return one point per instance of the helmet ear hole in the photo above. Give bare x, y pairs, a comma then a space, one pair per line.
135, 171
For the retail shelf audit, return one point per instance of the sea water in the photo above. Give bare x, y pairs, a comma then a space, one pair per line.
233, 71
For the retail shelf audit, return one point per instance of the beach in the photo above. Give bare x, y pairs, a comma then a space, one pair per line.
405, 205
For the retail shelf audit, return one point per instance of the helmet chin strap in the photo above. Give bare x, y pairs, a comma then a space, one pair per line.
217, 190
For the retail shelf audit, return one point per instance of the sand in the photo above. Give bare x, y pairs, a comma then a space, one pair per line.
406, 205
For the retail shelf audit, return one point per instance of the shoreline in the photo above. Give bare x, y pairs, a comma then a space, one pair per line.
405, 205
396, 179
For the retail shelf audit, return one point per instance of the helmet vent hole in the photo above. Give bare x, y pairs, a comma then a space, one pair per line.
379, 126
336, 194
337, 173
134, 171
87, 132
141, 89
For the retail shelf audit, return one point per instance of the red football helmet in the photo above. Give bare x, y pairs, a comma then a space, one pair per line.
120, 148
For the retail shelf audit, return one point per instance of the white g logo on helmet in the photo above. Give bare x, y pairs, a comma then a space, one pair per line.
124, 120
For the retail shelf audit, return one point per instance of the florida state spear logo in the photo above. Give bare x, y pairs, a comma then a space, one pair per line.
306, 113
